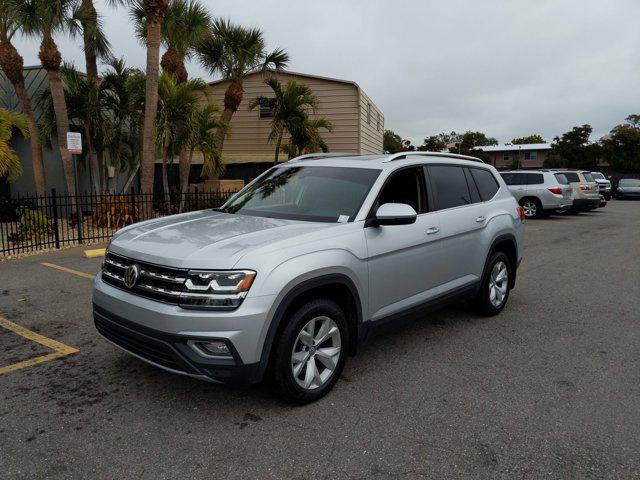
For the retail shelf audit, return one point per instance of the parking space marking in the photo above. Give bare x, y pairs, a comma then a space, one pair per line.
59, 349
97, 252
69, 270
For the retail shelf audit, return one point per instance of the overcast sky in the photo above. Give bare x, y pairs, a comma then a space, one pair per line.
505, 67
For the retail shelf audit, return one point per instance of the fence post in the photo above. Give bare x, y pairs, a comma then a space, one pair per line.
133, 206
54, 205
196, 199
79, 214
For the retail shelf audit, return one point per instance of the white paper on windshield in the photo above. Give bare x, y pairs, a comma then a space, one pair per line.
343, 218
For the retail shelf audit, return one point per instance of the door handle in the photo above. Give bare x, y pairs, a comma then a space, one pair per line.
432, 230
480, 219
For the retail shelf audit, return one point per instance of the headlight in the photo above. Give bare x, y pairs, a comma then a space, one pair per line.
219, 290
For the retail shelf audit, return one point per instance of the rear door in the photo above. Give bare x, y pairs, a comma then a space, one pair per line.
462, 218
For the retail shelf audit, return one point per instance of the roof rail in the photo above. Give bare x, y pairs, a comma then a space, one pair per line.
319, 155
401, 155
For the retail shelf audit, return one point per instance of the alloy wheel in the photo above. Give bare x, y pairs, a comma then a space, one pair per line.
316, 353
498, 284
530, 209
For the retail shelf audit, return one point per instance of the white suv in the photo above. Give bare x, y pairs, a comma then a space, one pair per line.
539, 192
301, 265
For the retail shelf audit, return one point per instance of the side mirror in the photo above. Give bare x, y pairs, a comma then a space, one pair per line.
395, 214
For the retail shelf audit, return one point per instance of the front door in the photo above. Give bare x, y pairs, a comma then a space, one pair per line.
403, 258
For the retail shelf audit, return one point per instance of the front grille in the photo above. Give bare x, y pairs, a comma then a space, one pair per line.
141, 345
159, 283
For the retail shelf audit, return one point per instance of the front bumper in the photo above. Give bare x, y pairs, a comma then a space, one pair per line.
158, 333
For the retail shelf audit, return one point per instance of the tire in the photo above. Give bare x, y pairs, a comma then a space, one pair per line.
532, 207
483, 303
293, 344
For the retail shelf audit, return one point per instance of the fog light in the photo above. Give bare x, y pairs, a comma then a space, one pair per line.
210, 349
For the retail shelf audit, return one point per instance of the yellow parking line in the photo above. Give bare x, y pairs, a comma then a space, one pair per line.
97, 252
69, 270
60, 349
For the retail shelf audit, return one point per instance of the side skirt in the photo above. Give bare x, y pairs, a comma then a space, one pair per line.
392, 322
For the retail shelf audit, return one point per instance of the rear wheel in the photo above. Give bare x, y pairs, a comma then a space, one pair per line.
311, 351
532, 207
494, 290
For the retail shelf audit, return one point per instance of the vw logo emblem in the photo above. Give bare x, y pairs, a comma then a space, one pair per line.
131, 275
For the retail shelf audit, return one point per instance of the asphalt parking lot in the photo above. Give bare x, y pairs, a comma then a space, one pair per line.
548, 389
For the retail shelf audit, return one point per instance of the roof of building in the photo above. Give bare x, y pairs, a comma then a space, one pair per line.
515, 148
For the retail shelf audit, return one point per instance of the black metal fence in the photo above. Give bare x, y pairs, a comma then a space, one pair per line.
31, 222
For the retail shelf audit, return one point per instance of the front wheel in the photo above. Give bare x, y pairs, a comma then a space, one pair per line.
311, 351
494, 290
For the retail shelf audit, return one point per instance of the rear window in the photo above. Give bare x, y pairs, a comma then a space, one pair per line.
486, 183
450, 185
588, 177
572, 177
598, 175
562, 179
534, 178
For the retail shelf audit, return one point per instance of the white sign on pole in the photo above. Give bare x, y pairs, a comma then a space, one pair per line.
74, 143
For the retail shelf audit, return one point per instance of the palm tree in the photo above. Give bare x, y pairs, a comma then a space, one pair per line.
233, 52
305, 136
288, 107
42, 19
154, 14
201, 138
86, 20
176, 107
86, 107
9, 162
12, 64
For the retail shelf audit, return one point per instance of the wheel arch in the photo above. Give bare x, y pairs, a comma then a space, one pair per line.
335, 286
504, 243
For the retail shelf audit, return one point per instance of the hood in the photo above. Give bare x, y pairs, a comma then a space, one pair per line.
629, 189
204, 239
602, 181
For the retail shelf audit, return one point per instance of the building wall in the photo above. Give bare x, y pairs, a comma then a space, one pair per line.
497, 159
371, 126
338, 102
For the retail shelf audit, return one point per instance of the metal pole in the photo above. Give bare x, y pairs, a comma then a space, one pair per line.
54, 206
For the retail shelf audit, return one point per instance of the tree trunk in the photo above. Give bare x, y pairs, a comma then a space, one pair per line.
165, 182
184, 179
89, 55
148, 160
275, 158
93, 161
62, 126
12, 64
232, 99
34, 140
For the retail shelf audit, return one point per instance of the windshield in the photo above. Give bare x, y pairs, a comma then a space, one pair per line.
598, 175
629, 182
317, 194
588, 177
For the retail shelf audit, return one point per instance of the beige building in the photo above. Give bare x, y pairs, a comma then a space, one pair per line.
358, 123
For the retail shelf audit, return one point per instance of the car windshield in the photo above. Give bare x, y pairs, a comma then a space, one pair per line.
629, 182
588, 177
598, 175
311, 193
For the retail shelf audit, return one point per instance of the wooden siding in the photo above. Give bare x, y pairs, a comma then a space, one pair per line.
338, 102
371, 130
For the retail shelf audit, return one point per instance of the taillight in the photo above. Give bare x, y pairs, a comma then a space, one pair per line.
521, 213
585, 187
556, 190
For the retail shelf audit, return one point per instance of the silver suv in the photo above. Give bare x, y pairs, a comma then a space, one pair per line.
306, 262
539, 192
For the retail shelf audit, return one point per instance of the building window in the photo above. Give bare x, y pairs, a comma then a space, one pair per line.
379, 122
368, 113
506, 157
533, 156
265, 111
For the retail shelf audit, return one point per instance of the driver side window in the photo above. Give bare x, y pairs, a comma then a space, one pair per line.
405, 186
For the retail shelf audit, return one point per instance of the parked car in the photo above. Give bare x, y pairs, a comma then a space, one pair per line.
305, 262
539, 192
628, 188
603, 201
604, 184
585, 191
